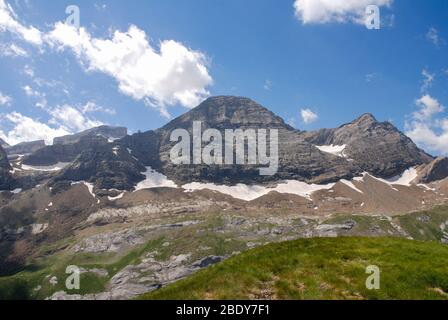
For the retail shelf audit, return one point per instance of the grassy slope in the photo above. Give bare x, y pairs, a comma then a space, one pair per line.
322, 269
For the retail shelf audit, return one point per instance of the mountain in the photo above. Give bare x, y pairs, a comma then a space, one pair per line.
25, 147
298, 159
375, 147
108, 132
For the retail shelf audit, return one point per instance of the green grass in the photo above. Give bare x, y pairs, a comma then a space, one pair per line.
322, 269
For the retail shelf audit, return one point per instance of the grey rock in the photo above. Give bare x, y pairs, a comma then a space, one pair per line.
107, 132
25, 147
434, 171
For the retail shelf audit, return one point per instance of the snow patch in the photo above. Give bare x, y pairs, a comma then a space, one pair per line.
58, 166
405, 178
117, 197
38, 228
249, 193
335, 150
115, 150
154, 179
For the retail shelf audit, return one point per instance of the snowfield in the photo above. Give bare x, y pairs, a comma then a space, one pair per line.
335, 150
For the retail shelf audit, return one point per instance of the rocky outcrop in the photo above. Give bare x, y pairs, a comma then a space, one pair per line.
375, 147
106, 166
25, 147
6, 179
51, 155
434, 171
107, 132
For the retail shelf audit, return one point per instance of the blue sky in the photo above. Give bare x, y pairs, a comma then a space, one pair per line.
311, 58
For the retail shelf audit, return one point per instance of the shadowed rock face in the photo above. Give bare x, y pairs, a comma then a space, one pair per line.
5, 171
106, 168
51, 155
25, 147
376, 147
434, 171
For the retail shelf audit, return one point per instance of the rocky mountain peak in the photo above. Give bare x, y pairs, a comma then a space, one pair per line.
226, 112
366, 118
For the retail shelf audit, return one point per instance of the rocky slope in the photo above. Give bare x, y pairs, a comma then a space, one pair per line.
25, 148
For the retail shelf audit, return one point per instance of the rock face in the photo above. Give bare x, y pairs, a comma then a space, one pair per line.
108, 167
108, 132
5, 171
51, 155
25, 147
434, 171
375, 147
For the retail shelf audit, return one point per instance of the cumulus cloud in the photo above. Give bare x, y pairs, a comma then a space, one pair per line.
174, 74
159, 75
28, 129
10, 22
5, 100
340, 11
71, 119
427, 128
308, 116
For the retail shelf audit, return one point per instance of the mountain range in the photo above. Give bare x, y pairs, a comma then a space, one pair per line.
111, 159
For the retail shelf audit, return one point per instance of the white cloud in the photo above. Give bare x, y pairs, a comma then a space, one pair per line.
160, 76
12, 50
5, 100
90, 107
9, 22
428, 108
433, 36
72, 119
173, 75
428, 131
341, 11
267, 85
27, 129
308, 116
428, 79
